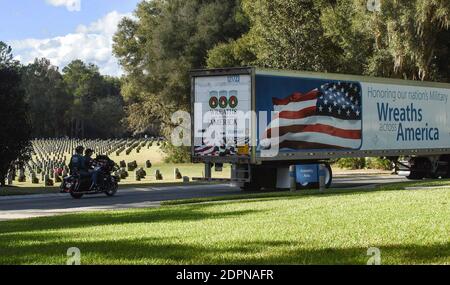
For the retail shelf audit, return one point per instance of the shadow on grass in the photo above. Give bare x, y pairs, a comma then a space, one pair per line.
41, 241
273, 196
73, 221
174, 251
266, 196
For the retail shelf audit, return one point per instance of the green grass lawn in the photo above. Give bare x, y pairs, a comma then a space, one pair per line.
409, 227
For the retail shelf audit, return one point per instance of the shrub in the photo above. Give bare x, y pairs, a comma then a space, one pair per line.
176, 154
379, 163
351, 163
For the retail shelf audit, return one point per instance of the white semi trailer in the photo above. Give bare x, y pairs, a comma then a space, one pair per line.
263, 122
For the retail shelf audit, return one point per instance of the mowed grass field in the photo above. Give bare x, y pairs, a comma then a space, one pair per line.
408, 226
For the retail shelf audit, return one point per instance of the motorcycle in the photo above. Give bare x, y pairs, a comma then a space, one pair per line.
77, 185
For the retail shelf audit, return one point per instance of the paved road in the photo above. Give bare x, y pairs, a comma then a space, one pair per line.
17, 207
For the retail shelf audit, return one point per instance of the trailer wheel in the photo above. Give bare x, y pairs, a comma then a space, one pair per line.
328, 175
446, 158
418, 171
414, 175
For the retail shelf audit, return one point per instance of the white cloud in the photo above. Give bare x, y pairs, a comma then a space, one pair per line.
71, 5
91, 43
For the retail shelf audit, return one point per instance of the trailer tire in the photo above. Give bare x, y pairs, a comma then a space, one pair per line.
328, 181
417, 172
446, 158
415, 176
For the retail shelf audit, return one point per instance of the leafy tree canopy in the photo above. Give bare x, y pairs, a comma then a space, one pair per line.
406, 39
90, 90
162, 44
14, 127
47, 97
6, 56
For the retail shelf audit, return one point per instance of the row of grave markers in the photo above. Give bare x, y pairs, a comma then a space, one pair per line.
50, 157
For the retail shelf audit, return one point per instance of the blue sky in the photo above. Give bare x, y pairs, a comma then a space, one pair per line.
63, 30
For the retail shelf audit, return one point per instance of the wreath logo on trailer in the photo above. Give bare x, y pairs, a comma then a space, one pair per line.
233, 102
223, 101
213, 102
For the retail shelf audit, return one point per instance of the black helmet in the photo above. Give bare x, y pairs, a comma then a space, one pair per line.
79, 149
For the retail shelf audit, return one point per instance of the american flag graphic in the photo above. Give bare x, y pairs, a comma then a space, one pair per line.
222, 148
328, 117
207, 150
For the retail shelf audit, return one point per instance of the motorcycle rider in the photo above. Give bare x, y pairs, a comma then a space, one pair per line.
88, 160
77, 163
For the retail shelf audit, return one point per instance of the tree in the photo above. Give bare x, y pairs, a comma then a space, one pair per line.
284, 34
6, 56
89, 89
168, 39
48, 99
345, 25
83, 82
107, 116
161, 45
240, 52
14, 127
412, 40
406, 39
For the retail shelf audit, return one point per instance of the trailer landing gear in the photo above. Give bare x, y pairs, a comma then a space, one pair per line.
259, 178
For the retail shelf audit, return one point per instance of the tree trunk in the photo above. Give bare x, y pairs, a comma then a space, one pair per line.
82, 129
